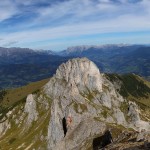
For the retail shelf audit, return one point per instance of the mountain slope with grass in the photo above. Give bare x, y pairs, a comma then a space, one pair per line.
78, 108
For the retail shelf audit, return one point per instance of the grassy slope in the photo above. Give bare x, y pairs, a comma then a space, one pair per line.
133, 88
14, 95
17, 136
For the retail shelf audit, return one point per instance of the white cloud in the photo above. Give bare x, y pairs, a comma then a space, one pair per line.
7, 10
80, 17
77, 11
121, 24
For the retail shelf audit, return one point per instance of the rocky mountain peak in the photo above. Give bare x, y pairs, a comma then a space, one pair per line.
76, 76
79, 91
80, 72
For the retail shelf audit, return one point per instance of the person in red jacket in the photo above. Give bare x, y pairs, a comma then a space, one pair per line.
69, 122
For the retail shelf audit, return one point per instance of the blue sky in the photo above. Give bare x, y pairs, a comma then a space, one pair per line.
58, 24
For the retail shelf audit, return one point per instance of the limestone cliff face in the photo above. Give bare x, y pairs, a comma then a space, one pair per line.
30, 109
74, 77
79, 90
134, 113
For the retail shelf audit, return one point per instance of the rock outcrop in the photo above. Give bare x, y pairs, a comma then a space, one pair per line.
4, 126
79, 90
30, 109
134, 113
75, 77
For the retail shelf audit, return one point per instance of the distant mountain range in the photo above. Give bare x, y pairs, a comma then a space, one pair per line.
19, 66
116, 58
23, 55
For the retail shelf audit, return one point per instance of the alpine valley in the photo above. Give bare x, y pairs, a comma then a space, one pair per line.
20, 66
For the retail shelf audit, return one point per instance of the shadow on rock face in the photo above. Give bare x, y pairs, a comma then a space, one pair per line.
102, 141
64, 126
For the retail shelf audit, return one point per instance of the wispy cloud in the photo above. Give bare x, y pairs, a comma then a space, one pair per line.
43, 21
8, 44
7, 10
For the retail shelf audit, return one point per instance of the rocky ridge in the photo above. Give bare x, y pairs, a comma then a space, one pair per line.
81, 91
